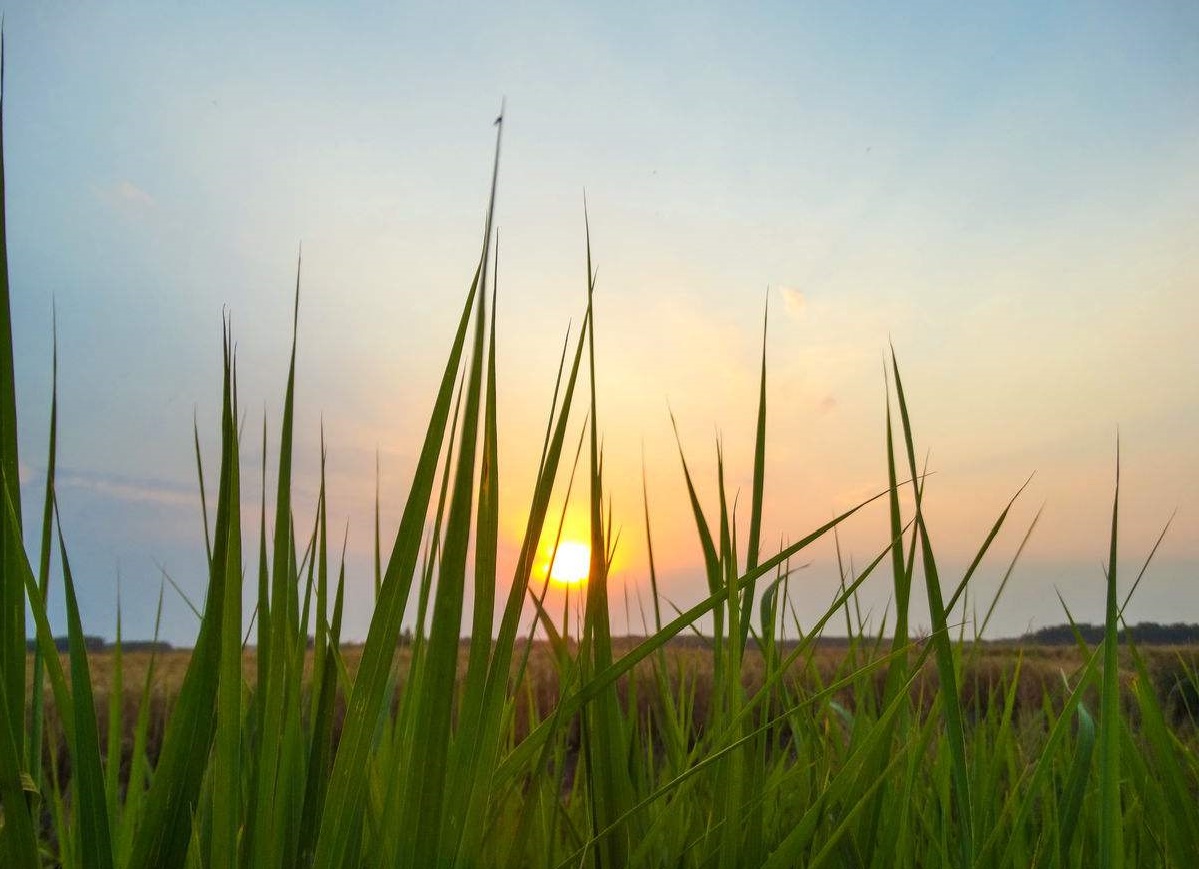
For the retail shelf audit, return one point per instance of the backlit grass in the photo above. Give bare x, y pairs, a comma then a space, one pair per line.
753, 748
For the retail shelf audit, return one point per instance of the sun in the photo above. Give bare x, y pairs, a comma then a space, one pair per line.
572, 563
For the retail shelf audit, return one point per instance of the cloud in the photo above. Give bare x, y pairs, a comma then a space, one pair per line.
126, 196
827, 405
793, 301
147, 491
130, 192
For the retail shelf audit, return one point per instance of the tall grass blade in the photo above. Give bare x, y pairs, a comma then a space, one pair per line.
166, 829
609, 788
347, 785
497, 688
946, 668
226, 767
1111, 846
468, 746
755, 520
1076, 782
12, 547
139, 765
91, 810
39, 661
112, 754
18, 847
266, 813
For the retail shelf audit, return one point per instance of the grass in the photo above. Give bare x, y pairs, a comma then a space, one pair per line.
754, 747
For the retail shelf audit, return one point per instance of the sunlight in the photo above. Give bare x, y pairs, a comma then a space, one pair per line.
572, 563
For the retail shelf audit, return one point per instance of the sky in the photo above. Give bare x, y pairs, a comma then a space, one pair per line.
1006, 193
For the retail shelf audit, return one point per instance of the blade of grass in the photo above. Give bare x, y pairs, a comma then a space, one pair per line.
91, 811
347, 785
18, 847
944, 656
139, 765
1111, 847
423, 807
39, 662
166, 830
1076, 782
116, 697
226, 761
12, 547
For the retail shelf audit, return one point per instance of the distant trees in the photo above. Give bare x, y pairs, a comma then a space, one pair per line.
99, 644
1143, 633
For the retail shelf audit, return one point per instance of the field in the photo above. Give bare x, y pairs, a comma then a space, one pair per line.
1039, 673
759, 746
1024, 686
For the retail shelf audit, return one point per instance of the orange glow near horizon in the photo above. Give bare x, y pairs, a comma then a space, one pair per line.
572, 563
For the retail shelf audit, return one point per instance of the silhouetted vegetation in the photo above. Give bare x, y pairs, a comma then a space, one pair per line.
1143, 633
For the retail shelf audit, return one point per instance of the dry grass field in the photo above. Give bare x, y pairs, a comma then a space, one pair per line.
1043, 671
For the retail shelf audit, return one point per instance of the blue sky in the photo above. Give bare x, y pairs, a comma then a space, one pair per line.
1008, 193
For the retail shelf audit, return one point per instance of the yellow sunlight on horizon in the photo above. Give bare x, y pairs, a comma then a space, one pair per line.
572, 563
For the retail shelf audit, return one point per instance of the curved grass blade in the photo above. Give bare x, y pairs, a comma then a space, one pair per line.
1111, 845
139, 766
225, 768
18, 847
91, 810
348, 782
166, 830
39, 661
1076, 782
946, 669
112, 754
12, 547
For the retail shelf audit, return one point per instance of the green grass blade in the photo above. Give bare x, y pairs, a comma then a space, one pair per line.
91, 810
496, 692
422, 820
1076, 781
203, 495
1007, 574
946, 669
1111, 847
226, 760
166, 830
468, 745
112, 755
18, 847
266, 813
755, 520
423, 809
139, 766
12, 547
39, 661
45, 637
321, 752
1023, 800
347, 786
263, 652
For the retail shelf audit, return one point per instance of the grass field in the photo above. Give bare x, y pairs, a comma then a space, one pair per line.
758, 748
1027, 683
1037, 670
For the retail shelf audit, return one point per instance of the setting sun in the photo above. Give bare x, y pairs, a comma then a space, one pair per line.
572, 563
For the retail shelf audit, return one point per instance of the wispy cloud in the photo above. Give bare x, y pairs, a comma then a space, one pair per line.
793, 301
117, 487
125, 195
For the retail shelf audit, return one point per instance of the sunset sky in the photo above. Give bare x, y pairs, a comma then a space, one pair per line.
1008, 193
